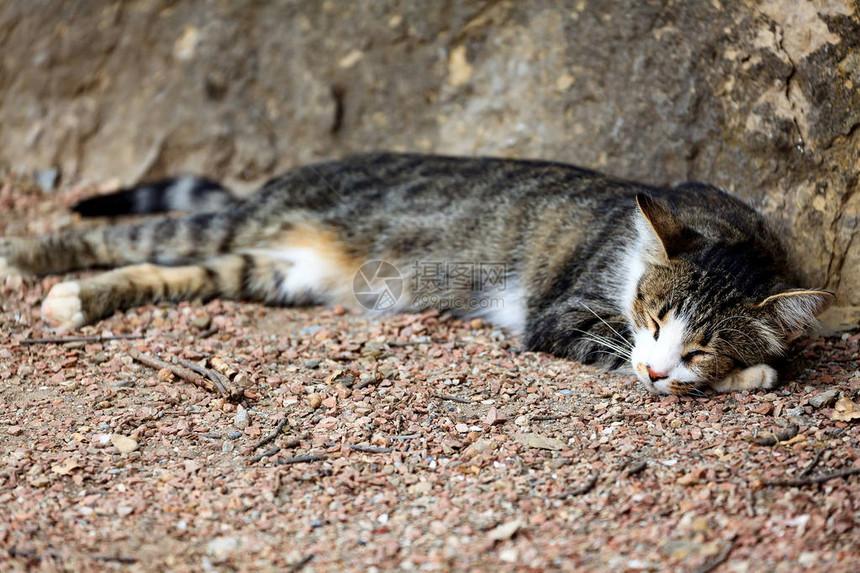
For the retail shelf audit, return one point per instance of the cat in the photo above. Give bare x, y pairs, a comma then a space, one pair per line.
686, 287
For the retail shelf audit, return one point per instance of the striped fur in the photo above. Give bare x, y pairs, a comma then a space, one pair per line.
585, 266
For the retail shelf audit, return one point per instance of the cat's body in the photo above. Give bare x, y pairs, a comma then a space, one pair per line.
560, 254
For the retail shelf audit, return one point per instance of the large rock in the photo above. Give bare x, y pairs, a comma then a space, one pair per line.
762, 99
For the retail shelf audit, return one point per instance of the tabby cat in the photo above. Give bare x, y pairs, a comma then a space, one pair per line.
687, 287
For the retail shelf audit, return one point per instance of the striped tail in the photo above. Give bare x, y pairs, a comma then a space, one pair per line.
188, 193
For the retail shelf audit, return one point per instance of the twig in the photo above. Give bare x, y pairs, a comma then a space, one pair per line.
271, 436
773, 438
301, 459
405, 437
115, 559
636, 468
219, 365
813, 464
300, 564
180, 371
584, 488
549, 417
211, 331
267, 453
65, 340
813, 480
452, 398
709, 566
369, 449
211, 375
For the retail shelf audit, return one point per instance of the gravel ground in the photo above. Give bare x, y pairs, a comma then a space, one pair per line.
413, 442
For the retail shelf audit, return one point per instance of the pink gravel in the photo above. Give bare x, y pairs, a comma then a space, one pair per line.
470, 454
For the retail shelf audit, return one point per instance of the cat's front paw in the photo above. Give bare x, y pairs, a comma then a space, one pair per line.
62, 307
758, 376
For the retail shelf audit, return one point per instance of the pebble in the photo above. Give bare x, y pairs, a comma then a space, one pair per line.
824, 399
124, 444
14, 430
240, 420
123, 384
202, 322
235, 435
227, 447
314, 400
220, 547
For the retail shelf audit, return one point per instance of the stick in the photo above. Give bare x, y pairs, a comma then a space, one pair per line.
191, 365
452, 398
271, 436
300, 564
369, 449
709, 566
181, 372
549, 417
405, 437
267, 453
813, 480
636, 468
65, 340
222, 367
812, 465
301, 459
774, 438
584, 488
115, 559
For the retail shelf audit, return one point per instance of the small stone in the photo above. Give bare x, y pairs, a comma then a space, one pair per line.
201, 322
764, 409
476, 323
227, 447
311, 364
46, 179
123, 384
234, 435
688, 479
165, 375
314, 400
240, 420
824, 399
330, 402
221, 547
505, 531
124, 444
522, 420
538, 441
494, 417
14, 430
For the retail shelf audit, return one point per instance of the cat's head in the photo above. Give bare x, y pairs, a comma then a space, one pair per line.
703, 310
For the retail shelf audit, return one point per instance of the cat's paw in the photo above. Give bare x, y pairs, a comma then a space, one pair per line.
62, 307
758, 376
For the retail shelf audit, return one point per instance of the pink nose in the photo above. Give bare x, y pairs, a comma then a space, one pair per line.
654, 376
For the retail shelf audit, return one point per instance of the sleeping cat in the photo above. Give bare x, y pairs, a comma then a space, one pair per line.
687, 287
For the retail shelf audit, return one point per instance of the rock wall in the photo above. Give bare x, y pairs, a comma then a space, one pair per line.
761, 98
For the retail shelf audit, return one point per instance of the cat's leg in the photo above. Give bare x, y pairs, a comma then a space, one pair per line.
758, 376
249, 276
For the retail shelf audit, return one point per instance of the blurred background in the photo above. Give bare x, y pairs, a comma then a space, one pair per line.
760, 98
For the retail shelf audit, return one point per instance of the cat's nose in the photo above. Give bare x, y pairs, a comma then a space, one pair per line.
655, 376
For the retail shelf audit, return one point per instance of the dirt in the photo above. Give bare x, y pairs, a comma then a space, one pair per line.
431, 444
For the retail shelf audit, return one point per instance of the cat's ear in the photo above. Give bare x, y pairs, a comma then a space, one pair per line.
672, 236
795, 310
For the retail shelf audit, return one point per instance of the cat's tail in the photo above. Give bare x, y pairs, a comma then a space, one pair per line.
188, 193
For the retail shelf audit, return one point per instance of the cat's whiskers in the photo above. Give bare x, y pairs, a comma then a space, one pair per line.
606, 342
626, 342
